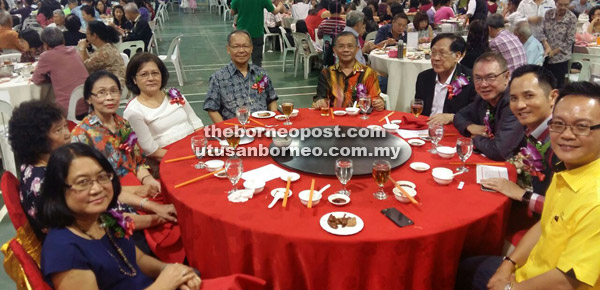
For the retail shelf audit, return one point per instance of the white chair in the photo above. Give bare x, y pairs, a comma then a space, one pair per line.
155, 31
585, 60
386, 101
131, 47
301, 40
371, 36
288, 46
8, 157
269, 34
211, 4
174, 57
76, 95
226, 10
125, 59
10, 56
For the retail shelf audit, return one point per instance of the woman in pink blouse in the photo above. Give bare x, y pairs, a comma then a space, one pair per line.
445, 12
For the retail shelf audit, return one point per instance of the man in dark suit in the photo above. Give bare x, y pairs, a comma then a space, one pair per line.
141, 29
448, 86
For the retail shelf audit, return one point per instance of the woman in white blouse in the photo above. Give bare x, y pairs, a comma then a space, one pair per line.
158, 116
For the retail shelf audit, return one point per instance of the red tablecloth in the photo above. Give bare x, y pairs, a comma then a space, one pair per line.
288, 248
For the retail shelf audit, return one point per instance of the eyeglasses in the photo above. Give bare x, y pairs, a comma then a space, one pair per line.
86, 184
489, 78
146, 75
349, 46
104, 93
577, 129
441, 53
238, 47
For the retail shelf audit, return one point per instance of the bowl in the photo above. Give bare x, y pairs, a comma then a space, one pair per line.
398, 195
397, 122
280, 117
282, 141
338, 199
416, 142
406, 183
446, 152
303, 195
391, 128
256, 185
419, 166
214, 165
294, 113
339, 113
443, 176
375, 127
352, 111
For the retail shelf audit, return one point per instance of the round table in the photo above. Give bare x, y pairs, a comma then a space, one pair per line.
402, 77
288, 248
21, 90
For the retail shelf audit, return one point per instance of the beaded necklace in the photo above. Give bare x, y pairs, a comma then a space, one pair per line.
132, 272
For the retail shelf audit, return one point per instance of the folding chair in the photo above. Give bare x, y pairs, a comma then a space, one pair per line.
174, 57
288, 46
131, 48
76, 95
269, 34
8, 157
303, 40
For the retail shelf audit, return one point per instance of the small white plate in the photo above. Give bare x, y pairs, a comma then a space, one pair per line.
280, 117
214, 165
375, 127
294, 113
424, 137
340, 196
243, 141
416, 142
339, 113
295, 176
263, 114
420, 166
346, 231
406, 183
282, 189
222, 174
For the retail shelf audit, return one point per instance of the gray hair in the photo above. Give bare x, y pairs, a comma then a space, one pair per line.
354, 17
5, 18
59, 12
495, 21
52, 37
238, 31
523, 29
131, 7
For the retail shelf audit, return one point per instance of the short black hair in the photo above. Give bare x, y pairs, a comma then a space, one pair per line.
586, 89
458, 43
89, 10
53, 211
136, 63
544, 76
104, 32
237, 31
495, 21
396, 8
72, 23
400, 16
32, 37
335, 7
420, 17
592, 11
29, 127
345, 33
88, 86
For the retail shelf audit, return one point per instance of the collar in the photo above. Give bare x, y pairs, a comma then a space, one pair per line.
137, 18
540, 129
578, 177
93, 119
437, 80
348, 28
233, 69
358, 67
529, 40
564, 19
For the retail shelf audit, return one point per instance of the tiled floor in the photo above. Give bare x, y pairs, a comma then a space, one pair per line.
203, 51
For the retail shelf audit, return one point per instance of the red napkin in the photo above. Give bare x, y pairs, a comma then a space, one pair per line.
165, 240
234, 282
413, 123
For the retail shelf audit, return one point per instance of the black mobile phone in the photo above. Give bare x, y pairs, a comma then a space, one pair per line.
487, 189
397, 217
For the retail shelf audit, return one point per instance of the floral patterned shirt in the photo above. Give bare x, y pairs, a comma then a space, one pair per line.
32, 178
340, 89
107, 57
228, 90
560, 34
91, 131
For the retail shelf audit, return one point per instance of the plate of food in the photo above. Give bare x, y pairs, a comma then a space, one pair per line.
341, 223
263, 114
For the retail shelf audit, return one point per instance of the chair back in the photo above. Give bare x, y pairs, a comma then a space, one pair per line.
125, 60
174, 46
76, 95
33, 274
371, 36
9, 56
10, 193
6, 109
131, 47
285, 39
585, 60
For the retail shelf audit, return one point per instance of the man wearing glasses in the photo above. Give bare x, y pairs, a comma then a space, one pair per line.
560, 251
239, 83
488, 119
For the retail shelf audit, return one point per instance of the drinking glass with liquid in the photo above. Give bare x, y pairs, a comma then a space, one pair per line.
287, 106
343, 171
381, 174
416, 107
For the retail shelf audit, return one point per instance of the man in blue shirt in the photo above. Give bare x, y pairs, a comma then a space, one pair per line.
533, 48
580, 6
77, 11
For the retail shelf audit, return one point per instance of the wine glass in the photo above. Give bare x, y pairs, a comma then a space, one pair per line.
234, 169
242, 114
381, 174
436, 133
287, 106
464, 148
343, 171
233, 139
199, 148
416, 107
364, 103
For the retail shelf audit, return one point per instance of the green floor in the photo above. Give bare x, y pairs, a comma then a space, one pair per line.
203, 52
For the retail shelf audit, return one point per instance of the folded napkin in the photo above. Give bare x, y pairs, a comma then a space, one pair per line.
412, 123
241, 195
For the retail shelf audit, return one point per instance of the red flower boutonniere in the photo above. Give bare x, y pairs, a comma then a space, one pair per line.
260, 83
121, 226
128, 140
175, 96
455, 87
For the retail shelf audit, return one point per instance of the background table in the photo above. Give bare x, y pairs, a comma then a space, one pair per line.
402, 77
288, 248
21, 90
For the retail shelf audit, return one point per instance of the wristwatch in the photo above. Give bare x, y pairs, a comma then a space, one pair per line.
527, 196
507, 258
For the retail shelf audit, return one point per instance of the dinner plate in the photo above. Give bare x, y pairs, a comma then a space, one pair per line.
420, 166
346, 231
243, 141
263, 114
280, 117
416, 142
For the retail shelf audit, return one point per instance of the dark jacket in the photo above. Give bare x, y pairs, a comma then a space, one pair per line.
141, 31
385, 32
426, 88
72, 37
481, 10
508, 132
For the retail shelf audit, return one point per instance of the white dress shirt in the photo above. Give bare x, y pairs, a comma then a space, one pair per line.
439, 94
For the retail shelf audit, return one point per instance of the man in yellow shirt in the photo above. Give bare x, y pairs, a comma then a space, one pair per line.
9, 39
562, 251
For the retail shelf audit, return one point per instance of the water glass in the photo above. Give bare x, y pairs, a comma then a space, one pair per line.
234, 169
242, 114
416, 107
287, 106
199, 147
436, 133
343, 171
381, 174
464, 148
365, 104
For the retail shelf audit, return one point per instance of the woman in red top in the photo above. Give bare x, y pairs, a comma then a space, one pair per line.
314, 17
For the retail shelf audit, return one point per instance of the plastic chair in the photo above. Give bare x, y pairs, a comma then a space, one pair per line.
8, 157
371, 36
585, 60
125, 59
211, 4
76, 95
288, 46
174, 57
386, 100
302, 39
131, 48
226, 10
268, 34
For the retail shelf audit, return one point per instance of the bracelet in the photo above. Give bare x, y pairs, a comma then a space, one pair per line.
142, 202
507, 258
145, 178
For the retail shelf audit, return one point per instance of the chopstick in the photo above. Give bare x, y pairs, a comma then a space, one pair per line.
386, 116
450, 134
479, 163
234, 124
404, 192
310, 195
287, 191
180, 158
198, 178
257, 122
331, 113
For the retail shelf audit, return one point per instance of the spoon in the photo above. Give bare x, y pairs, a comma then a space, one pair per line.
278, 195
387, 120
458, 173
324, 188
